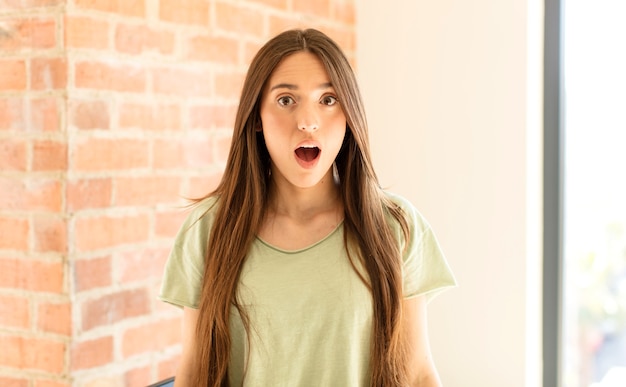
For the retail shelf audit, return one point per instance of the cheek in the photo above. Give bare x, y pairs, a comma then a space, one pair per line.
273, 121
337, 135
339, 125
275, 132
336, 119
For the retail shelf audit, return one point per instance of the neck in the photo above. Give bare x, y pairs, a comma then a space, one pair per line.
302, 203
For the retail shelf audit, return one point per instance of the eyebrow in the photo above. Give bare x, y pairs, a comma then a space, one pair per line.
291, 86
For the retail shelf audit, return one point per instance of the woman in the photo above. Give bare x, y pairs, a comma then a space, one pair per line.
299, 270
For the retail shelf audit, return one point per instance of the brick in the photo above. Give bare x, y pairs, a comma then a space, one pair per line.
51, 383
86, 32
279, 23
279, 4
136, 115
100, 154
14, 312
161, 308
141, 265
151, 337
12, 382
343, 37
198, 152
13, 75
343, 11
167, 223
138, 376
49, 156
104, 381
212, 116
11, 114
180, 82
200, 186
184, 11
103, 76
101, 232
250, 49
168, 154
32, 353
31, 275
25, 4
166, 117
222, 142
92, 273
92, 353
167, 368
45, 114
114, 307
50, 234
146, 191
89, 193
228, 85
90, 114
55, 318
28, 34
223, 50
48, 73
149, 117
242, 20
30, 194
136, 39
14, 154
319, 8
122, 7
14, 233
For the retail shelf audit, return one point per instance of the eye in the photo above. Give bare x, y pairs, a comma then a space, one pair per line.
329, 100
285, 100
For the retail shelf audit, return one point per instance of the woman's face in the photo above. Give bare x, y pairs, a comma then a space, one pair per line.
302, 121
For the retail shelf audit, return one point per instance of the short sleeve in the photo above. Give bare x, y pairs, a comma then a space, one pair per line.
425, 270
184, 269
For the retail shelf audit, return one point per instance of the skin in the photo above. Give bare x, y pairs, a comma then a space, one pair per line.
422, 366
183, 371
299, 107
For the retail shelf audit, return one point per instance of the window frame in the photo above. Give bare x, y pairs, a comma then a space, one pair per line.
553, 176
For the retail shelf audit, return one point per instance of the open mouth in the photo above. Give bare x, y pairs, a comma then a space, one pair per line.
307, 153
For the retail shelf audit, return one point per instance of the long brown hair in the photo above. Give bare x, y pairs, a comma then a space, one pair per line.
242, 196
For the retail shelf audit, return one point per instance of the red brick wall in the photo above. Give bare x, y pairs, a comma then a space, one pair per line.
112, 111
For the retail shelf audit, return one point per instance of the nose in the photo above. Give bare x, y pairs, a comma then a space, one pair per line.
307, 119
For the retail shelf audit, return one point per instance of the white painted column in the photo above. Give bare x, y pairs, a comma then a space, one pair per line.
453, 94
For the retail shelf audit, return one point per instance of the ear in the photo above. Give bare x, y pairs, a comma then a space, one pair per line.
258, 124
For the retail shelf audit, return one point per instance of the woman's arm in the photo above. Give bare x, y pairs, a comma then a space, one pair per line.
422, 369
183, 372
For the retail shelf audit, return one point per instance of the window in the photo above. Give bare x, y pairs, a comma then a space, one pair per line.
585, 183
594, 217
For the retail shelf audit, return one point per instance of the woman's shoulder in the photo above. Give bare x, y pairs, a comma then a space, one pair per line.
205, 207
398, 200
411, 213
200, 216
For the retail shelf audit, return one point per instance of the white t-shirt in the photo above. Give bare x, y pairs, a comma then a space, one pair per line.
310, 313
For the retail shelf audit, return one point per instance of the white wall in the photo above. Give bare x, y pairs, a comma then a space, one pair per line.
453, 94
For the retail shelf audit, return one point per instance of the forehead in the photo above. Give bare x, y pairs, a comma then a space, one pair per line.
300, 67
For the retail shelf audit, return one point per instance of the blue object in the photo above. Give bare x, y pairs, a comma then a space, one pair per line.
164, 383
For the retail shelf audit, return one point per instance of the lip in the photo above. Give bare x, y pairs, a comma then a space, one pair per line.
308, 144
